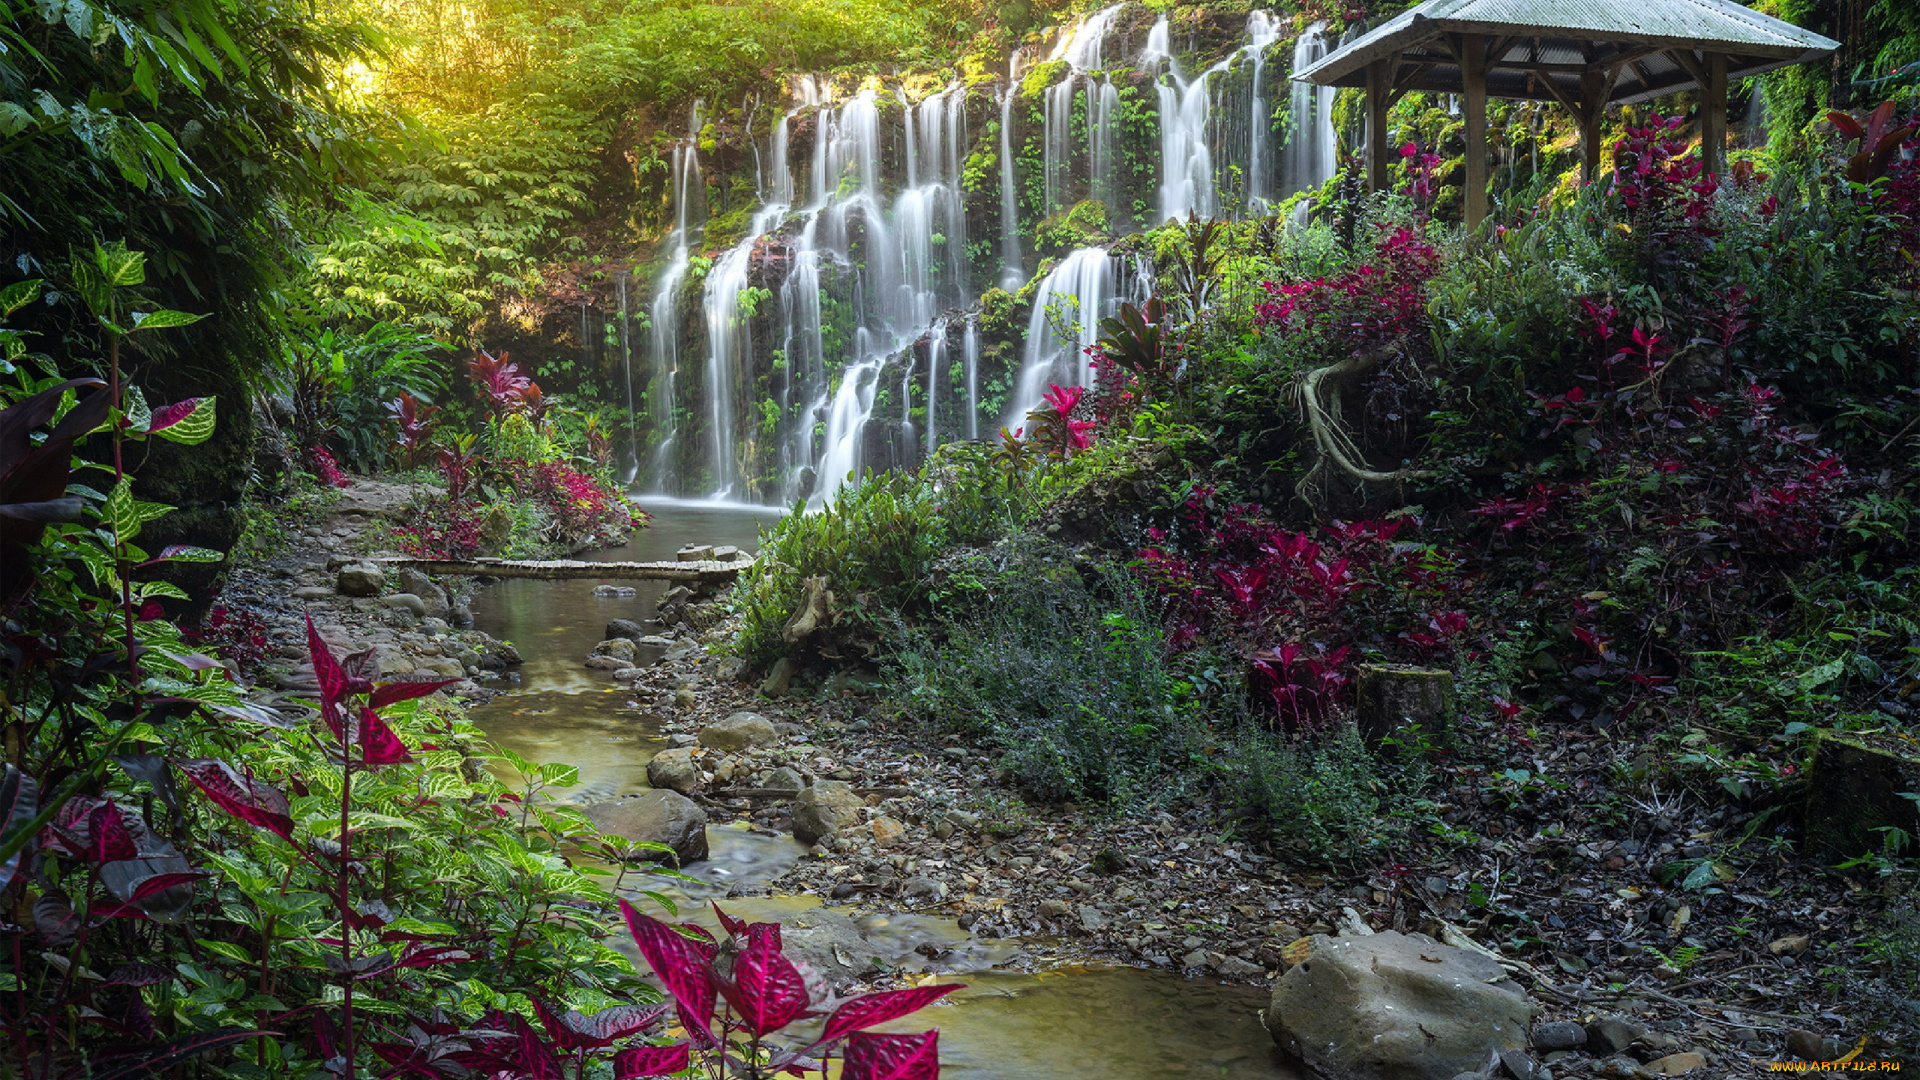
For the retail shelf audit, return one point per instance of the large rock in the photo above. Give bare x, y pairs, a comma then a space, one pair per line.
1396, 1007
431, 595
828, 948
625, 628
674, 770
741, 731
360, 579
824, 809
658, 817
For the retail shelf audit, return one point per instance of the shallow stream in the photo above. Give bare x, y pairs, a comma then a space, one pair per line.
1071, 1023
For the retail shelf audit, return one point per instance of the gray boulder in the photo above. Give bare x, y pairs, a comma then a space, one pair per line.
741, 731
828, 948
782, 779
625, 628
1397, 1007
431, 595
405, 601
619, 648
824, 809
674, 770
658, 817
360, 579
650, 649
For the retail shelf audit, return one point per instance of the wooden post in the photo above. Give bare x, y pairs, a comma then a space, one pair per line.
1593, 90
1379, 88
1473, 70
1713, 115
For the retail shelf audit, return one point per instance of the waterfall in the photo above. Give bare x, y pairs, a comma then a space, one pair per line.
1081, 291
1311, 141
1084, 53
1754, 124
1011, 276
1263, 29
626, 371
664, 339
841, 331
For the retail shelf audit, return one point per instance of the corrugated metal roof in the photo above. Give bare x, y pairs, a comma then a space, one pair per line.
1752, 41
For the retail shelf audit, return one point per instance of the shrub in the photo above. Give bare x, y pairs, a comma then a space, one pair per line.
1058, 661
1326, 799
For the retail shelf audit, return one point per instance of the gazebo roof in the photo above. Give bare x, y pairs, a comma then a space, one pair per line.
1645, 47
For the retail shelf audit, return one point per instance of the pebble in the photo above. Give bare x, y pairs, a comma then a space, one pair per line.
1558, 1035
1675, 1064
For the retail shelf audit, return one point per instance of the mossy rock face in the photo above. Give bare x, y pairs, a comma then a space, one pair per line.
1855, 788
1388, 697
1082, 225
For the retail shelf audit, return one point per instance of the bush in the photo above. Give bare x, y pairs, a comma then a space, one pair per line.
1326, 799
1058, 661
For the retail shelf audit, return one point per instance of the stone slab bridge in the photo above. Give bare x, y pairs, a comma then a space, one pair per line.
707, 571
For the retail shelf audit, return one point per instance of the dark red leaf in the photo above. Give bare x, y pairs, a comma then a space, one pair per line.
640, 1061
161, 882
733, 926
681, 965
767, 990
537, 1061
19, 805
702, 938
107, 831
388, 693
378, 743
892, 1057
873, 1009
576, 1030
138, 975
241, 795
53, 916
326, 669
154, 1061
168, 415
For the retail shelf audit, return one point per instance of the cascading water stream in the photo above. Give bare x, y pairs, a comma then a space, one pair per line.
864, 248
1309, 160
664, 316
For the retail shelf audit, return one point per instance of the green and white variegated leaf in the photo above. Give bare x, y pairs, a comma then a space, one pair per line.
133, 406
21, 293
163, 319
188, 553
123, 514
148, 590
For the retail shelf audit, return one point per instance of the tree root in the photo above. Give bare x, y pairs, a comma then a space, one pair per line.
1317, 393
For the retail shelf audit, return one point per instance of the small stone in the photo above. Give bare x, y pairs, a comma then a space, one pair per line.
1516, 1064
361, 579
621, 648
615, 592
606, 663
407, 602
887, 831
731, 669
1611, 1034
740, 731
1195, 959
674, 770
1284, 931
1558, 1035
727, 553
1054, 909
695, 553
685, 698
918, 888
313, 592
1791, 945
824, 809
1233, 967
779, 679
1807, 1046
1091, 918
625, 628
430, 594
1675, 1064
783, 779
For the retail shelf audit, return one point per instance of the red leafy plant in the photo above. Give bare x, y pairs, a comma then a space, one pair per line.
1052, 426
506, 388
415, 421
733, 995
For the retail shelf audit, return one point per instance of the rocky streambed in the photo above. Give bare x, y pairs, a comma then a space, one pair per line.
1093, 943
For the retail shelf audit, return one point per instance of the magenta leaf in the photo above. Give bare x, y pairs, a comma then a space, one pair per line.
576, 1030
892, 1057
733, 926
159, 883
110, 839
241, 795
767, 990
681, 965
145, 1062
873, 1009
326, 669
640, 1061
387, 693
701, 937
378, 742
537, 1060
168, 415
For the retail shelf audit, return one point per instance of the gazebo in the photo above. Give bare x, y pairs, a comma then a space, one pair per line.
1584, 54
